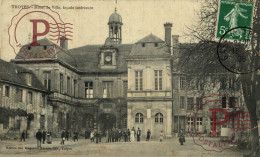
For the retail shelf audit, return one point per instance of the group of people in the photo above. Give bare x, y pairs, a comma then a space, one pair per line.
41, 137
66, 134
112, 135
117, 135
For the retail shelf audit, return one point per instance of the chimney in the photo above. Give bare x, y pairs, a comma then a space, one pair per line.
168, 33
175, 43
64, 42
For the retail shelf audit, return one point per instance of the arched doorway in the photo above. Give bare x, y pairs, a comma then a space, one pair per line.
107, 121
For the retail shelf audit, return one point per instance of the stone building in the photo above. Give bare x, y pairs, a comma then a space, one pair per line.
23, 101
113, 85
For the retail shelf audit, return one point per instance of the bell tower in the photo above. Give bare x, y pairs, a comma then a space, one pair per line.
115, 27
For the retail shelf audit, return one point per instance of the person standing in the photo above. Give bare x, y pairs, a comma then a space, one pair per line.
23, 136
132, 134
43, 136
148, 135
181, 137
92, 136
49, 138
161, 136
39, 138
67, 135
62, 137
138, 134
128, 135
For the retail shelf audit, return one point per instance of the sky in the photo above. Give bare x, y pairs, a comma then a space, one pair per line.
140, 18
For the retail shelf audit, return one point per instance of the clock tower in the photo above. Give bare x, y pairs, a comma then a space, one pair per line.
115, 27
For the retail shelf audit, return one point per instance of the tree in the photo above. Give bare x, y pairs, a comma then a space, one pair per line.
201, 60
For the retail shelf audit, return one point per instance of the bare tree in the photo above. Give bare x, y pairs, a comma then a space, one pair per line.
201, 60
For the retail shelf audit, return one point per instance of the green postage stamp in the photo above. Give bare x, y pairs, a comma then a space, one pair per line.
234, 14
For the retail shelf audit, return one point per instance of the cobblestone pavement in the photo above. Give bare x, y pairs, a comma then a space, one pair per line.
169, 147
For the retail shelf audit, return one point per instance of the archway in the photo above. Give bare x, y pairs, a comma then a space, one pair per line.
107, 121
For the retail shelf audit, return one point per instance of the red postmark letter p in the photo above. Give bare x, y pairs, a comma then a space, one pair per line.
214, 119
35, 33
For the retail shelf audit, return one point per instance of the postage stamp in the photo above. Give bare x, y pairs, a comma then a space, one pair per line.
224, 115
42, 23
238, 56
232, 14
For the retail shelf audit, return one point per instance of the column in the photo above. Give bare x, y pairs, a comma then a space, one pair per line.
129, 116
113, 58
149, 115
169, 121
102, 59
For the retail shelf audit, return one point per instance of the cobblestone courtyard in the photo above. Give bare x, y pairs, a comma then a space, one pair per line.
169, 147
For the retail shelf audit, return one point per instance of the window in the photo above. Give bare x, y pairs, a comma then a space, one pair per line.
125, 86
88, 121
231, 83
190, 123
139, 118
19, 95
139, 80
68, 86
199, 103
223, 83
156, 44
232, 102
124, 121
158, 118
199, 124
18, 124
224, 100
107, 89
158, 79
42, 122
43, 100
28, 47
47, 79
45, 47
74, 90
61, 83
182, 102
30, 97
182, 86
190, 103
88, 89
7, 91
29, 79
143, 44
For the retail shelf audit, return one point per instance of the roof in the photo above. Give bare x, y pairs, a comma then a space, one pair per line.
150, 46
115, 17
12, 73
150, 39
41, 53
87, 57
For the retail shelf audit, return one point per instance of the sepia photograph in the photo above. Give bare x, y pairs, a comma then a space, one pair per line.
130, 78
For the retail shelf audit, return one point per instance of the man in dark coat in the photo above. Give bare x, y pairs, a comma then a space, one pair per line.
43, 136
128, 135
67, 135
62, 137
39, 138
148, 135
23, 136
138, 134
181, 137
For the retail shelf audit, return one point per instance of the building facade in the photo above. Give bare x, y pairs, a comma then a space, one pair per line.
111, 85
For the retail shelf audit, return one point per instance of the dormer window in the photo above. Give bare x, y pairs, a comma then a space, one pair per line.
156, 44
143, 44
45, 47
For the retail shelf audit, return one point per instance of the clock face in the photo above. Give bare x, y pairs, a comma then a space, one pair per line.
108, 58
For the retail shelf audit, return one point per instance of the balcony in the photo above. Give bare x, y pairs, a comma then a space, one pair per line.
149, 93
